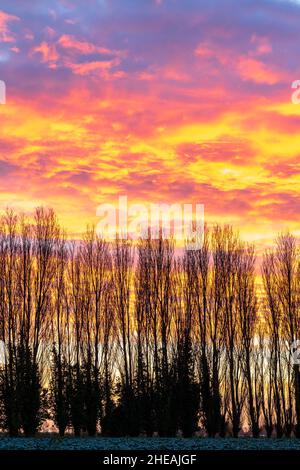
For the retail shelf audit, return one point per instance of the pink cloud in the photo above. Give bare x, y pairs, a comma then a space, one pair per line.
66, 53
48, 52
82, 47
256, 71
88, 67
206, 50
262, 44
5, 34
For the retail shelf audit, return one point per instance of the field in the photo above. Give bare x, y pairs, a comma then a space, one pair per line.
99, 443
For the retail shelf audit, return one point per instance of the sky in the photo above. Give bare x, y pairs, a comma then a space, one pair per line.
160, 100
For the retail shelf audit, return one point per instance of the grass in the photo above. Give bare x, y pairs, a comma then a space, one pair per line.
103, 443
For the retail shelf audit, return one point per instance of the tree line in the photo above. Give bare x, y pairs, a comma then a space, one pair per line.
128, 339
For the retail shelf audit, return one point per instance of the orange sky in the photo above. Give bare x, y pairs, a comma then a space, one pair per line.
162, 101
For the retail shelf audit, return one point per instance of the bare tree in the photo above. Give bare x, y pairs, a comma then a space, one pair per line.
281, 279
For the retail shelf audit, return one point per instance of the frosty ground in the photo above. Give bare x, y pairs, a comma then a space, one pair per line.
102, 443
